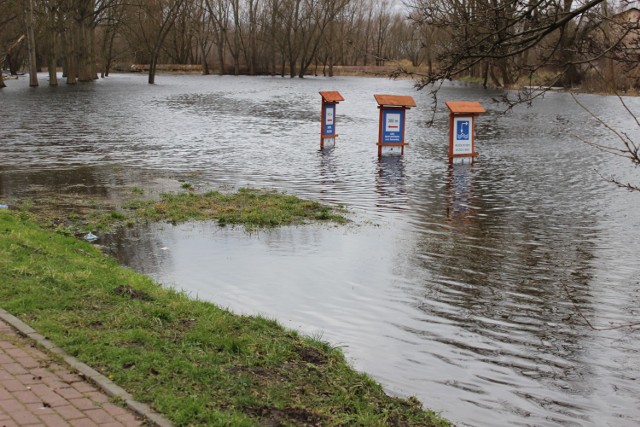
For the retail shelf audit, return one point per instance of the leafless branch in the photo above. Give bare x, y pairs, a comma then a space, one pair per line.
578, 310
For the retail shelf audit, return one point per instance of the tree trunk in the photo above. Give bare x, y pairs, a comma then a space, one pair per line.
610, 74
70, 57
51, 60
272, 44
221, 63
494, 79
292, 38
330, 28
252, 37
93, 55
331, 65
217, 16
153, 64
163, 32
504, 70
107, 51
571, 75
84, 52
234, 44
485, 74
31, 46
205, 63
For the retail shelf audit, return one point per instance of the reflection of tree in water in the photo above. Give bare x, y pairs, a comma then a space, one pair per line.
497, 270
43, 182
328, 172
71, 189
82, 181
459, 194
139, 248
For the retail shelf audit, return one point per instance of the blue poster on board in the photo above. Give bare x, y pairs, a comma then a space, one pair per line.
392, 122
462, 136
463, 130
329, 119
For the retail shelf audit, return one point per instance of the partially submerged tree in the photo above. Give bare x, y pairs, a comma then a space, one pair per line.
4, 20
31, 42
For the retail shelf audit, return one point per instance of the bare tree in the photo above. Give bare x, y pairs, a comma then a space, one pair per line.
52, 13
568, 37
6, 18
234, 41
219, 15
382, 25
149, 24
111, 22
627, 147
203, 32
499, 32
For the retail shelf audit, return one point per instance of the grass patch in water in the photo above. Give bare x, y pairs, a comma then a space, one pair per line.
250, 208
253, 209
195, 363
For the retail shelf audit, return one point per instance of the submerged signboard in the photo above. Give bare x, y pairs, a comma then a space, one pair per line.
462, 135
329, 119
393, 121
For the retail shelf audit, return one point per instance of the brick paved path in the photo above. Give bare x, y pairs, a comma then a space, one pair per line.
37, 391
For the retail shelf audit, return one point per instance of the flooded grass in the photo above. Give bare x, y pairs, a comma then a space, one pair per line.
253, 209
250, 208
195, 363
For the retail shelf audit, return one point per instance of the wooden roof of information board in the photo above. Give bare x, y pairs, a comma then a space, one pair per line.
331, 96
395, 100
469, 107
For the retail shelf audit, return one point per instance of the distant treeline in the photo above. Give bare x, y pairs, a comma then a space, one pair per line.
499, 42
283, 37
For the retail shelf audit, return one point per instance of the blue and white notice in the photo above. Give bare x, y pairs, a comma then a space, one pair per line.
462, 138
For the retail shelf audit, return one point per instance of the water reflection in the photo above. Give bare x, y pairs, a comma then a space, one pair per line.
85, 183
328, 173
467, 286
503, 293
460, 194
391, 186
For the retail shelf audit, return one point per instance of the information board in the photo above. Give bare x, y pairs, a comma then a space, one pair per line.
462, 135
392, 122
329, 119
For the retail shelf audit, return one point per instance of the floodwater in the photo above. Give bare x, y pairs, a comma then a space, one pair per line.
469, 287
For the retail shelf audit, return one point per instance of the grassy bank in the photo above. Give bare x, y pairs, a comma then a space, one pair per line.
192, 361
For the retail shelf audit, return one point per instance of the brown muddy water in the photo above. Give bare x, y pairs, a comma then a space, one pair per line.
467, 287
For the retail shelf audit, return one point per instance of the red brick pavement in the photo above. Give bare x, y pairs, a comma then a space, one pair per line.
37, 391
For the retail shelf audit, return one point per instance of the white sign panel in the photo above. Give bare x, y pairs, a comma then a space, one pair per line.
393, 122
329, 117
462, 137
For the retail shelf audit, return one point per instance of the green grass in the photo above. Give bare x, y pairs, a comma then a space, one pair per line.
195, 363
252, 209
